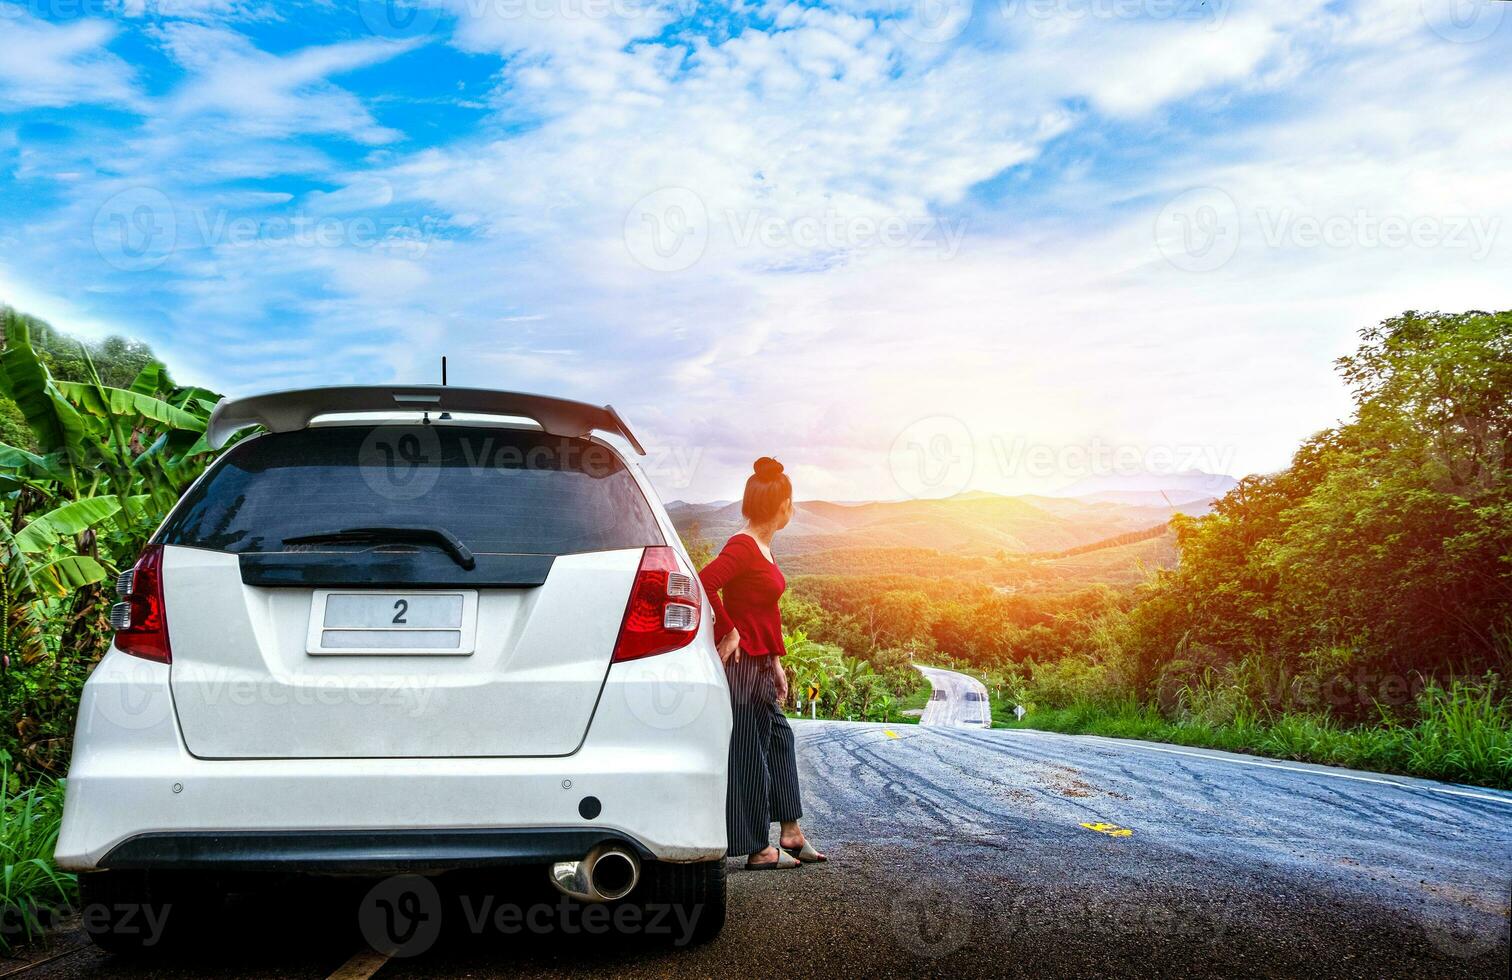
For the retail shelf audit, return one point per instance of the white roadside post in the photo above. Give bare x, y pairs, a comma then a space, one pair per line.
1019, 710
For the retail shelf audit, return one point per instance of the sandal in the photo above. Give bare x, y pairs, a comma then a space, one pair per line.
805, 853
784, 862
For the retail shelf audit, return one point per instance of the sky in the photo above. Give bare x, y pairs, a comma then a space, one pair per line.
909, 247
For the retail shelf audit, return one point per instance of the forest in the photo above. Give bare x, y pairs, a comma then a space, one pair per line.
1354, 608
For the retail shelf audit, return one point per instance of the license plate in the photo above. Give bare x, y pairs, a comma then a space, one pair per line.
392, 622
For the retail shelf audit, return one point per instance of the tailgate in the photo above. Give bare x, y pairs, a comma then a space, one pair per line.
522, 677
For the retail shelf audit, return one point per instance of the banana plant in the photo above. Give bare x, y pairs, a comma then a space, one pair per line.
21, 624
145, 441
101, 467
106, 464
55, 424
881, 708
45, 545
22, 469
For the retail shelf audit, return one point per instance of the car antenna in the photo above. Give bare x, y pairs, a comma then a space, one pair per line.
444, 415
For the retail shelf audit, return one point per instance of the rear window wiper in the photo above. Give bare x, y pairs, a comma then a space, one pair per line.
448, 541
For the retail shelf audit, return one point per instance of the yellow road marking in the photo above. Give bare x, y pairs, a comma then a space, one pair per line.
1111, 829
361, 966
889, 733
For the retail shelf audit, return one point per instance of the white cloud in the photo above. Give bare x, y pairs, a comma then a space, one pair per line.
261, 95
831, 118
45, 65
181, 9
1054, 330
1128, 59
1059, 320
16, 292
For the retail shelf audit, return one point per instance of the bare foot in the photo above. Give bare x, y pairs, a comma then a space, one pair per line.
766, 855
797, 843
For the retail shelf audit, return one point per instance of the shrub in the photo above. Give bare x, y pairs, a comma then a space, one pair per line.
32, 891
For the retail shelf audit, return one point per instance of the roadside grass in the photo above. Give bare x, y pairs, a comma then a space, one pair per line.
1461, 734
32, 890
915, 700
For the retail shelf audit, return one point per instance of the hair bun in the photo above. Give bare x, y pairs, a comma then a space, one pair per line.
768, 468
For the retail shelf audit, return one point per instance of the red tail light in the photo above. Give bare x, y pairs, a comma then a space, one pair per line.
140, 621
664, 608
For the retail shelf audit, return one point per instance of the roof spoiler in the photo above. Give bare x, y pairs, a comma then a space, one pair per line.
290, 411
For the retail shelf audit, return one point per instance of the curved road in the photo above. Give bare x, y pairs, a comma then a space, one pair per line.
1015, 853
958, 701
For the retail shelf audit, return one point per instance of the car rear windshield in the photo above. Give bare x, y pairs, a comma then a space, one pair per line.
499, 490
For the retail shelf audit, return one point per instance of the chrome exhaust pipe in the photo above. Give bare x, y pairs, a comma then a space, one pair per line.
606, 873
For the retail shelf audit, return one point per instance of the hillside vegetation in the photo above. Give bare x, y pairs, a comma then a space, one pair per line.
98, 442
1354, 608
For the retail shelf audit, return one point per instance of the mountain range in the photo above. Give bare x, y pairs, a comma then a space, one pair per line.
974, 523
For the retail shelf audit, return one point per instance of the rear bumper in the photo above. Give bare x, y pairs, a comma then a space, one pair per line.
653, 766
356, 851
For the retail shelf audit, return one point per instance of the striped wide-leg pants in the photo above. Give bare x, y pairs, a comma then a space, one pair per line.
763, 763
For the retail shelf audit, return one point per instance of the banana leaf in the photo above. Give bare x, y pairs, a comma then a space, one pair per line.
67, 574
56, 424
47, 529
29, 467
151, 379
172, 448
104, 402
13, 564
195, 399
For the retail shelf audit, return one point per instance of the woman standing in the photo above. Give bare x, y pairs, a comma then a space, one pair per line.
748, 630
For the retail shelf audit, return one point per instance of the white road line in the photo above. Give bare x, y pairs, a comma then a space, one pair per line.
1260, 763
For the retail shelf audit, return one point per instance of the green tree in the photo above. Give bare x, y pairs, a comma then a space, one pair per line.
901, 618
1387, 543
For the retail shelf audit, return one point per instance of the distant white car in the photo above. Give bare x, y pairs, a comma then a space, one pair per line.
405, 631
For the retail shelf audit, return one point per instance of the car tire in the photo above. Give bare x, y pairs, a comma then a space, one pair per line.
135, 912
692, 893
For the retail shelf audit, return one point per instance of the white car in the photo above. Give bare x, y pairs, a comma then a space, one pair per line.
406, 629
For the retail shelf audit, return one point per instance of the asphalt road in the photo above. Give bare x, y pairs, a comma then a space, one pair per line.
958, 701
1010, 853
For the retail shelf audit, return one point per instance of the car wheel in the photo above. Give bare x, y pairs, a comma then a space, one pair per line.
135, 912
687, 901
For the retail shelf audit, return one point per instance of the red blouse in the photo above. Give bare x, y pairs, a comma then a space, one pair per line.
751, 585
